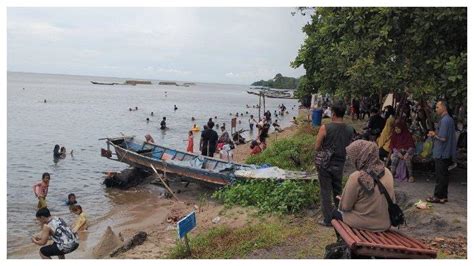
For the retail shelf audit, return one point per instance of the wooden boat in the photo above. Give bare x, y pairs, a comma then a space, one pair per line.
189, 166
103, 83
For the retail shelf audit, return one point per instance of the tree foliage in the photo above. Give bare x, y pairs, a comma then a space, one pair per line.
361, 51
279, 82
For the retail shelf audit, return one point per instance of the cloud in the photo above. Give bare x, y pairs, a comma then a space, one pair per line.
235, 45
167, 71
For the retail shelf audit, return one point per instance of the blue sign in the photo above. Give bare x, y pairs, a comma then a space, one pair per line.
186, 224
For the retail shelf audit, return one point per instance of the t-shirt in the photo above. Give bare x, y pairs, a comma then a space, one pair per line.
376, 122
445, 149
209, 137
256, 150
81, 222
338, 136
63, 235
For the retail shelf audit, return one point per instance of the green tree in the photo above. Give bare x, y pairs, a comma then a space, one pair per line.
360, 51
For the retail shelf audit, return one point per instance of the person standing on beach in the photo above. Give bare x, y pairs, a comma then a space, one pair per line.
444, 151
209, 141
335, 136
64, 239
190, 147
41, 190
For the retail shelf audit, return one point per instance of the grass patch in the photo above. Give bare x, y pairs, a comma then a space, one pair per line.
225, 242
288, 196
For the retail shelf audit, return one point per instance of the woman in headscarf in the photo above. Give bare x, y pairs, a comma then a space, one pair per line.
362, 205
402, 147
383, 142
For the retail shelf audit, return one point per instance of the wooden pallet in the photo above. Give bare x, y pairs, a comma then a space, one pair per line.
388, 244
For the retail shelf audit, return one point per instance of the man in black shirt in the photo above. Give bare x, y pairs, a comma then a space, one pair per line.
375, 126
209, 141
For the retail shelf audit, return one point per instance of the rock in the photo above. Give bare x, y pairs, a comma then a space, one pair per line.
107, 244
126, 179
136, 240
216, 220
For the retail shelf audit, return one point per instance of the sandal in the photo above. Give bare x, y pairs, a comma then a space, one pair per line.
436, 200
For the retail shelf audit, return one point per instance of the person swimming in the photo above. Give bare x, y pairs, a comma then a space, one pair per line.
151, 114
175, 107
71, 199
147, 120
192, 118
62, 152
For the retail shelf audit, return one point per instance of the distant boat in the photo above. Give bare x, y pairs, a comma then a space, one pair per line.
273, 94
168, 83
189, 166
104, 83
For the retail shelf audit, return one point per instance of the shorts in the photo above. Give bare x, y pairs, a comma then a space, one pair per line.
42, 202
53, 250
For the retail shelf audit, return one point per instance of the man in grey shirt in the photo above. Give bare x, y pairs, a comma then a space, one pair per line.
336, 136
444, 151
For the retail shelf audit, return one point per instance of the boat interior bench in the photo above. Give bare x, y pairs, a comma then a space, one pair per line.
388, 244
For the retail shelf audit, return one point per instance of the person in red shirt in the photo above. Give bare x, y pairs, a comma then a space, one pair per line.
255, 148
190, 147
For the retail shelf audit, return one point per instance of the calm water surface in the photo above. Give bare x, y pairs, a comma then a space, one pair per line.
76, 115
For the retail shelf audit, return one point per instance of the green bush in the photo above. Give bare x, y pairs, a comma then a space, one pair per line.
294, 153
289, 196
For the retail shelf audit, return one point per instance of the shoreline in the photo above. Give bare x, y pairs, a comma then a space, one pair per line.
154, 214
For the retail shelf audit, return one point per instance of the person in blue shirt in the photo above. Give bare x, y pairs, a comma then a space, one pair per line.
444, 151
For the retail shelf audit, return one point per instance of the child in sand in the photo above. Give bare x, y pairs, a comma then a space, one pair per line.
81, 222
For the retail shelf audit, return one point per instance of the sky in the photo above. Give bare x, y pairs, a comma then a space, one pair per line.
219, 45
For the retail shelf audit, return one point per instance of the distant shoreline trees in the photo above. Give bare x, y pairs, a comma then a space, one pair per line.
279, 82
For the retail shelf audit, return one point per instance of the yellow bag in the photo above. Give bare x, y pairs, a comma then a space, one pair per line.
427, 148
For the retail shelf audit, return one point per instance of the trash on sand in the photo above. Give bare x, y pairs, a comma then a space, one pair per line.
423, 205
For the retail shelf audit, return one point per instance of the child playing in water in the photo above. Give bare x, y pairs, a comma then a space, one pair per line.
81, 222
71, 200
190, 147
41, 190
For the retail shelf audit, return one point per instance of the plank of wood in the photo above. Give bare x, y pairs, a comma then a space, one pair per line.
164, 183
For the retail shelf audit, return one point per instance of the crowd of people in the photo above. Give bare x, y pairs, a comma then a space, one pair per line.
387, 149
